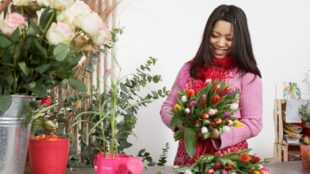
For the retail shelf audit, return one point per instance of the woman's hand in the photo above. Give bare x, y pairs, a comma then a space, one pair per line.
215, 134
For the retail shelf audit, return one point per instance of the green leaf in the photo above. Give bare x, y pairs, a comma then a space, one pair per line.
77, 85
40, 90
190, 141
5, 102
176, 121
4, 42
15, 35
46, 14
60, 52
42, 68
24, 68
40, 48
307, 124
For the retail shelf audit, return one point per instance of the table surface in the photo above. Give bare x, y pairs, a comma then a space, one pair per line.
291, 167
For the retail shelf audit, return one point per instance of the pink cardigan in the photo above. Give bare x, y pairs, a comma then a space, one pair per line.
250, 102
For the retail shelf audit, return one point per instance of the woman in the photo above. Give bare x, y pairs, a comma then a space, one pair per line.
225, 53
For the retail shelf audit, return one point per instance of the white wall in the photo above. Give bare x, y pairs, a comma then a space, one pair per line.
171, 30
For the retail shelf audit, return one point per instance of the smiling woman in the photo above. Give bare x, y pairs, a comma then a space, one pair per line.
225, 53
221, 39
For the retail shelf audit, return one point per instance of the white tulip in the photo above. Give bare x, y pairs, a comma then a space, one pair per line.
60, 33
234, 106
187, 171
204, 130
184, 98
226, 128
61, 4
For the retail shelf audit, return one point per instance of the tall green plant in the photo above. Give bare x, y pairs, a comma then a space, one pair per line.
113, 113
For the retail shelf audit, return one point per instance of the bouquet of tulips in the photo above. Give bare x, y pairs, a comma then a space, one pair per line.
232, 163
205, 112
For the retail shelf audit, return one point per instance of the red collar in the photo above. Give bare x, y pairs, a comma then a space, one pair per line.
226, 62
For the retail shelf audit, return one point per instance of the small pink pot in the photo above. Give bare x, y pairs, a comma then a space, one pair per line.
117, 164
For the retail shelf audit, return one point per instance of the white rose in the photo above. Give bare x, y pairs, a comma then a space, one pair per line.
22, 2
61, 4
90, 23
104, 37
43, 3
204, 130
77, 9
234, 106
60, 33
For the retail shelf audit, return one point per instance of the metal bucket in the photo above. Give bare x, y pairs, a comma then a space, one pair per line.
14, 135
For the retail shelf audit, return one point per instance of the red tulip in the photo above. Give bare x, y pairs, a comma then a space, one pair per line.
217, 88
256, 159
217, 166
229, 166
203, 102
245, 158
204, 116
216, 98
189, 93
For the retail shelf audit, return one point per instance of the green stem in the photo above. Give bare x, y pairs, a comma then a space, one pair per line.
102, 123
113, 118
49, 23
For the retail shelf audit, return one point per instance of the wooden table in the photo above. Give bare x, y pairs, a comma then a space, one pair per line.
291, 167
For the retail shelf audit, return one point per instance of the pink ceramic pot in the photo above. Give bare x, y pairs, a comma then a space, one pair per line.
117, 164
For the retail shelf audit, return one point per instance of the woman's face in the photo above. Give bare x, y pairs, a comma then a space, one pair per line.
221, 39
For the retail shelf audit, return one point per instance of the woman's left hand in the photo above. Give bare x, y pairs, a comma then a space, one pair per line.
215, 134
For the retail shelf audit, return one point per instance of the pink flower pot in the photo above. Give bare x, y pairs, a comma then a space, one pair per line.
49, 156
117, 164
305, 154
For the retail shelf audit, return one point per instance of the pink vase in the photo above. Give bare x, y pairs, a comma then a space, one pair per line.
117, 164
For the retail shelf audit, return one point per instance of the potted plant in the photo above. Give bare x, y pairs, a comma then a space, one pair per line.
48, 152
37, 53
112, 119
304, 112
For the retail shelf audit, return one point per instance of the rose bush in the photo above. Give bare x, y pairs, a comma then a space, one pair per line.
39, 52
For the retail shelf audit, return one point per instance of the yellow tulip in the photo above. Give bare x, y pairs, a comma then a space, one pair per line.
238, 123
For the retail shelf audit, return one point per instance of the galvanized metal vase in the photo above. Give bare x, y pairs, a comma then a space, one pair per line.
15, 128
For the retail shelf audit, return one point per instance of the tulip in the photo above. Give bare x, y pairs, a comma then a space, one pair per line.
184, 99
187, 111
234, 106
204, 130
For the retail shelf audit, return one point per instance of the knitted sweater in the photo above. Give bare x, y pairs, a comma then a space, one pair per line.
250, 103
